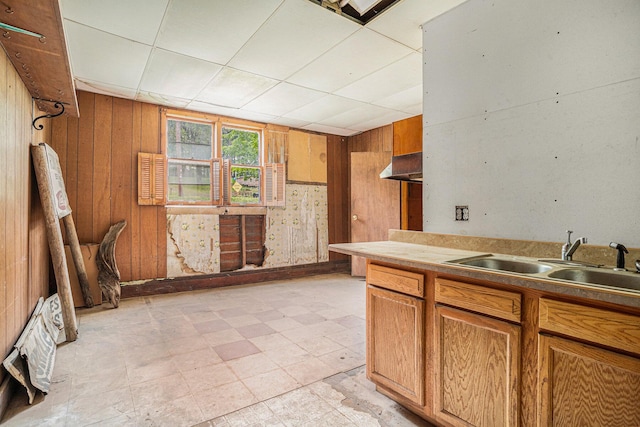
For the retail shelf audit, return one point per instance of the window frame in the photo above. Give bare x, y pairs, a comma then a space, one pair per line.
217, 165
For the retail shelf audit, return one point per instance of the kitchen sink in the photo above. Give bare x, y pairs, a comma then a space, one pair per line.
506, 264
599, 277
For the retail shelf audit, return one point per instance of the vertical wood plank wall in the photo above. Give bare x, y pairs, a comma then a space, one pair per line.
24, 254
98, 154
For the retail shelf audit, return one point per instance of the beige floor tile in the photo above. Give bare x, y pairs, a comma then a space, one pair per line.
343, 360
288, 355
222, 400
270, 342
159, 391
319, 346
182, 412
299, 407
252, 365
222, 337
157, 368
236, 350
99, 381
206, 377
187, 344
270, 384
284, 324
92, 408
310, 370
239, 321
255, 330
195, 359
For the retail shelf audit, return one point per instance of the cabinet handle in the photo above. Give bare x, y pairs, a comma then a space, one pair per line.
354, 217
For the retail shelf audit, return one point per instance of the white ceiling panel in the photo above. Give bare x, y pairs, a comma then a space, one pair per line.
315, 127
394, 78
102, 57
285, 121
282, 99
230, 112
105, 89
323, 108
135, 20
156, 98
212, 30
402, 21
177, 75
361, 54
389, 117
234, 88
351, 118
297, 26
406, 100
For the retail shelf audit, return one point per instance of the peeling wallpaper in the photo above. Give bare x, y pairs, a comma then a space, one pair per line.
297, 233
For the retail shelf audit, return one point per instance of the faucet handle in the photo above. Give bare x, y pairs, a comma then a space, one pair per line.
621, 251
569, 236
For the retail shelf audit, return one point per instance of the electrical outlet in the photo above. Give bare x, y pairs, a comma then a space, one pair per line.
462, 213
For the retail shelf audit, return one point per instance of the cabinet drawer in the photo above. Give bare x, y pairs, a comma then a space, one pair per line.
395, 279
605, 327
493, 302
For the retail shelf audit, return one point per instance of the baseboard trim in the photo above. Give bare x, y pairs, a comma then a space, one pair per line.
192, 283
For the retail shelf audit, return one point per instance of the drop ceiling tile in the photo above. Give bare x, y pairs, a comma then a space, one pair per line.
323, 108
212, 30
406, 100
159, 99
177, 75
105, 89
297, 33
396, 77
402, 22
135, 20
293, 123
230, 112
316, 127
351, 118
234, 88
390, 117
120, 62
283, 98
361, 54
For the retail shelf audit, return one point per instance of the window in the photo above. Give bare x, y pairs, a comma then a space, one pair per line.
210, 161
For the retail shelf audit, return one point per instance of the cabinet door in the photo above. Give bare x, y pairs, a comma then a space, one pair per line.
476, 369
395, 342
581, 385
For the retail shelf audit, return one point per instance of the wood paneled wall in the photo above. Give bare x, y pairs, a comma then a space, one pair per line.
24, 255
338, 191
98, 154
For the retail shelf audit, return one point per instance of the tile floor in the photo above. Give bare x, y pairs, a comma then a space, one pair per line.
286, 353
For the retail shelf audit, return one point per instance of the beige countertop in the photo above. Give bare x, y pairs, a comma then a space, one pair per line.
436, 258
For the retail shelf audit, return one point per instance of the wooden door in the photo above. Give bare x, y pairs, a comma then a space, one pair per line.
477, 361
582, 385
395, 342
375, 202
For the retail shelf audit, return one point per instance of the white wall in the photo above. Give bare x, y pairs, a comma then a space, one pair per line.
532, 119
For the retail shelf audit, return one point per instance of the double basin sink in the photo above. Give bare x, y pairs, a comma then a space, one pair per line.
555, 269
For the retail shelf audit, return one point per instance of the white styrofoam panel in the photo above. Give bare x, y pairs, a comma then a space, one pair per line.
212, 30
351, 118
105, 89
396, 77
297, 33
102, 57
402, 21
284, 121
282, 98
159, 99
386, 119
491, 55
363, 53
533, 171
177, 75
230, 112
323, 108
408, 100
234, 88
316, 127
135, 20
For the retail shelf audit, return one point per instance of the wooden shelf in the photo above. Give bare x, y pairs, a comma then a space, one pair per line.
43, 64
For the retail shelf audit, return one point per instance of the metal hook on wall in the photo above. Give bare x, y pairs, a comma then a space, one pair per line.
57, 104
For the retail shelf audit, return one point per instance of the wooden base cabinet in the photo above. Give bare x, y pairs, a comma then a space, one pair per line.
395, 342
476, 369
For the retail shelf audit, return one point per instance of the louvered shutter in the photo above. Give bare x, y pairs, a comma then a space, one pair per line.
152, 172
274, 184
226, 186
217, 181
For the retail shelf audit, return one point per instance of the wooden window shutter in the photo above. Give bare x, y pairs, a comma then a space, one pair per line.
152, 175
275, 180
217, 181
226, 185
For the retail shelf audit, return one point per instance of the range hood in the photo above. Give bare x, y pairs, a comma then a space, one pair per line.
406, 167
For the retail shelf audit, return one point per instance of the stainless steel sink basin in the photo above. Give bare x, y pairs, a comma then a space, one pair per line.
506, 264
599, 277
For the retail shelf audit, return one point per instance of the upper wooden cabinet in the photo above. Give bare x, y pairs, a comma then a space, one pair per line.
407, 136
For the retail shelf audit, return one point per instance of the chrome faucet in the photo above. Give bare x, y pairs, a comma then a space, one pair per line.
569, 248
